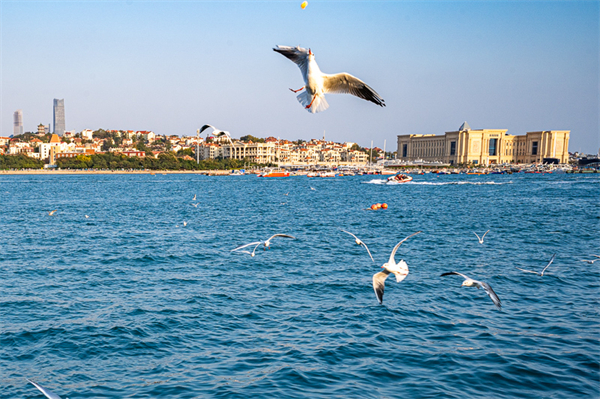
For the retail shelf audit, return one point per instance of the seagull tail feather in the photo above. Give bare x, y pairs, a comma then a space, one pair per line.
318, 105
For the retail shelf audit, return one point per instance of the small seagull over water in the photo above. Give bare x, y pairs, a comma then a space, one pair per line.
542, 273
240, 249
86, 216
52, 212
469, 282
195, 205
360, 242
591, 261
194, 199
399, 269
317, 83
266, 244
47, 393
481, 239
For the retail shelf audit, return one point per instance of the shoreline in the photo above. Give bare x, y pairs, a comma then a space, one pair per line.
113, 172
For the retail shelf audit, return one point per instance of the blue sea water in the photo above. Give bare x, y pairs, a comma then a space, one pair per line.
129, 303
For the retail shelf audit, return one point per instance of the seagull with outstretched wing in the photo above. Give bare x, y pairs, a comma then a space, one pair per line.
481, 239
216, 133
317, 83
469, 282
399, 269
542, 273
358, 241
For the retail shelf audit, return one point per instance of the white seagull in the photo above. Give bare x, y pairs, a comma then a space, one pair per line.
360, 242
216, 133
196, 205
317, 83
399, 269
591, 261
52, 212
47, 393
86, 216
481, 239
469, 282
184, 224
194, 199
266, 244
256, 244
542, 273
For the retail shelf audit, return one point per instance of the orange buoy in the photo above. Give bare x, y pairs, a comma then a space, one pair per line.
384, 205
304, 4
374, 207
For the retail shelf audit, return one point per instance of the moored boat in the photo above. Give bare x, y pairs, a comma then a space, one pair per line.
275, 173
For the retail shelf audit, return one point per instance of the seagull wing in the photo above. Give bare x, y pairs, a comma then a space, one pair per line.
488, 289
549, 263
379, 284
484, 234
457, 273
528, 271
347, 232
398, 246
297, 55
281, 235
47, 393
257, 243
479, 238
203, 128
367, 248
348, 84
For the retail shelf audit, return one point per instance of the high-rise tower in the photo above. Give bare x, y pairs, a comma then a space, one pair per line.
59, 116
18, 122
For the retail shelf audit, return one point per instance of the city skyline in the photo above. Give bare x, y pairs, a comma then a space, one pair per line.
172, 67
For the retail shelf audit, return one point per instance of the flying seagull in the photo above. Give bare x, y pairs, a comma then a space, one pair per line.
359, 242
52, 212
317, 83
266, 244
479, 284
47, 393
399, 269
196, 205
86, 216
216, 133
240, 249
591, 261
194, 199
542, 273
481, 239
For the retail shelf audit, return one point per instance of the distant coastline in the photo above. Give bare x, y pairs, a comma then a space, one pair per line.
112, 172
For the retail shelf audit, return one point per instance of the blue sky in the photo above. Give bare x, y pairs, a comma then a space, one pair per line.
171, 67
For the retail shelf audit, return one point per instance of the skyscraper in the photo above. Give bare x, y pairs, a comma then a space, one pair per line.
18, 122
59, 116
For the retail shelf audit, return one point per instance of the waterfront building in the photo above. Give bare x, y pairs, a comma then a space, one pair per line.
18, 122
485, 147
59, 116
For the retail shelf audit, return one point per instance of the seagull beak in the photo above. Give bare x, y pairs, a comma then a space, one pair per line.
309, 52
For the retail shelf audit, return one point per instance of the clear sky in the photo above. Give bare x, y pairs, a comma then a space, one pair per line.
171, 67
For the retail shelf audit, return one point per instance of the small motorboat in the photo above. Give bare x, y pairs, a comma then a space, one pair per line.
275, 173
400, 178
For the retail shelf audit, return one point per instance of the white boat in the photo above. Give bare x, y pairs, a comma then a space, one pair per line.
400, 178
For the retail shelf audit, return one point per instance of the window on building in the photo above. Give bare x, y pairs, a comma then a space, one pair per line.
493, 145
453, 148
534, 148
404, 150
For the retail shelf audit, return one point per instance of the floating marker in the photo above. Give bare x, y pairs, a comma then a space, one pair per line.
304, 4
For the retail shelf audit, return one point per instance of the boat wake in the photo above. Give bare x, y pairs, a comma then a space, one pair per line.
426, 183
